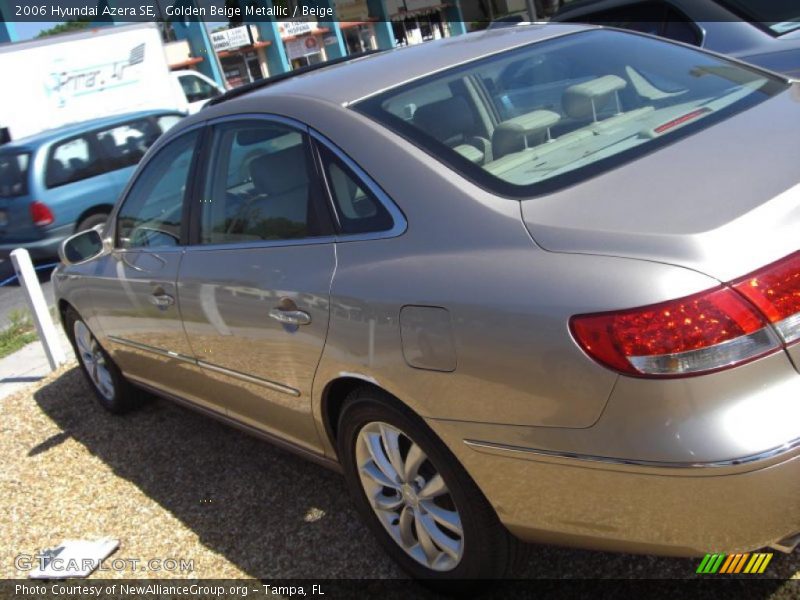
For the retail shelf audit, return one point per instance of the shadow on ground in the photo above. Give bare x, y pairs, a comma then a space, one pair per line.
268, 512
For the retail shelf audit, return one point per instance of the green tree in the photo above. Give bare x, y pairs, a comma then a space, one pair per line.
66, 27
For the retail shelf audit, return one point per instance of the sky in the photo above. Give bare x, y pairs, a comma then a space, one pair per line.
26, 31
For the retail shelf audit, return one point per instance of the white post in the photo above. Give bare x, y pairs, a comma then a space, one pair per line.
41, 315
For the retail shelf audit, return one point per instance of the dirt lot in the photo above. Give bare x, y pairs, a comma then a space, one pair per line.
170, 483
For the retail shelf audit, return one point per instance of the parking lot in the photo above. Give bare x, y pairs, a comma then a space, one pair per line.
172, 484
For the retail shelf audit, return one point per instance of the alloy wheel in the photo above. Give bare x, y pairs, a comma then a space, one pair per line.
409, 496
93, 360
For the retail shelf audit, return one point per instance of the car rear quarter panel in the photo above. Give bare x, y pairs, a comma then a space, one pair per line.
509, 301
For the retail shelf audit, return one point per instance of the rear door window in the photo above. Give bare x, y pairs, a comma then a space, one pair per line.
262, 185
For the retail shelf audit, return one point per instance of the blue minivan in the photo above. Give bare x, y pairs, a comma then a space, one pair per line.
64, 180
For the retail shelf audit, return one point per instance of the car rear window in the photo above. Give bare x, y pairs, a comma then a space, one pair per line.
14, 174
546, 115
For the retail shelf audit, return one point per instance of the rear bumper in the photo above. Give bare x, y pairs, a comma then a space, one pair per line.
44, 248
669, 510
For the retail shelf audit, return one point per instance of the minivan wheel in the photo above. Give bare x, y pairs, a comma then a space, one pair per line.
416, 498
112, 390
92, 221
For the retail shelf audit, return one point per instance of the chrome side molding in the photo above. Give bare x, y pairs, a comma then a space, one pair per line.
512, 450
272, 385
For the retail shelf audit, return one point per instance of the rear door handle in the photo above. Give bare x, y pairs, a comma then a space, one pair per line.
290, 317
162, 300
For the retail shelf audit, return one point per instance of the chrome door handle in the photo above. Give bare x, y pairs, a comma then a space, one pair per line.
290, 317
162, 300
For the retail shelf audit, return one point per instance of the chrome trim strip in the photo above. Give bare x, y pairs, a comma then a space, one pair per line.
288, 121
152, 349
211, 367
256, 244
250, 379
787, 447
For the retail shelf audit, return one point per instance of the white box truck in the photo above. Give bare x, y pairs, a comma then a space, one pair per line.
69, 78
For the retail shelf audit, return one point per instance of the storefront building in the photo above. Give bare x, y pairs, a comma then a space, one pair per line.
241, 53
354, 26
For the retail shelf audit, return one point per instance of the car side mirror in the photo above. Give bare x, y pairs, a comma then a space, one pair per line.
81, 247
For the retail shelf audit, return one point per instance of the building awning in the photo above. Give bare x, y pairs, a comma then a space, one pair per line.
240, 49
185, 64
317, 31
351, 24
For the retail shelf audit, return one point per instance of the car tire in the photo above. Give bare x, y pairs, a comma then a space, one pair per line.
112, 390
92, 221
483, 549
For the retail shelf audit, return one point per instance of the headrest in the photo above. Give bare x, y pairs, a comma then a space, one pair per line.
531, 122
449, 121
578, 98
280, 172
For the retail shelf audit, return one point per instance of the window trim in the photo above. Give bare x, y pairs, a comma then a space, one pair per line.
193, 239
314, 137
399, 223
162, 143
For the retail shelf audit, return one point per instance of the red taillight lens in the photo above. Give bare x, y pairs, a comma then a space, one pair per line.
775, 290
41, 214
696, 334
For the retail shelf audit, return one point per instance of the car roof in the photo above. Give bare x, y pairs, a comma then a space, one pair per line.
70, 129
349, 81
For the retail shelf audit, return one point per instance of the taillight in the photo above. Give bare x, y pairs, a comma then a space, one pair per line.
696, 334
775, 290
41, 214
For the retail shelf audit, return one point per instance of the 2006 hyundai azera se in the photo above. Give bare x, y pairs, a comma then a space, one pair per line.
540, 283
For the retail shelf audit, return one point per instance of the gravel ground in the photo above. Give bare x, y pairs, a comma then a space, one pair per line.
169, 483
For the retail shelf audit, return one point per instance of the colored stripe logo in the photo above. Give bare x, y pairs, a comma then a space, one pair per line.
752, 563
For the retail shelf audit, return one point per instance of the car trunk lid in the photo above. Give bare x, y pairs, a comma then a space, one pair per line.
724, 201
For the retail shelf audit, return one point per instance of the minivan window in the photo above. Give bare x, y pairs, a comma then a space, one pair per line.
71, 161
537, 118
126, 144
167, 122
14, 174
